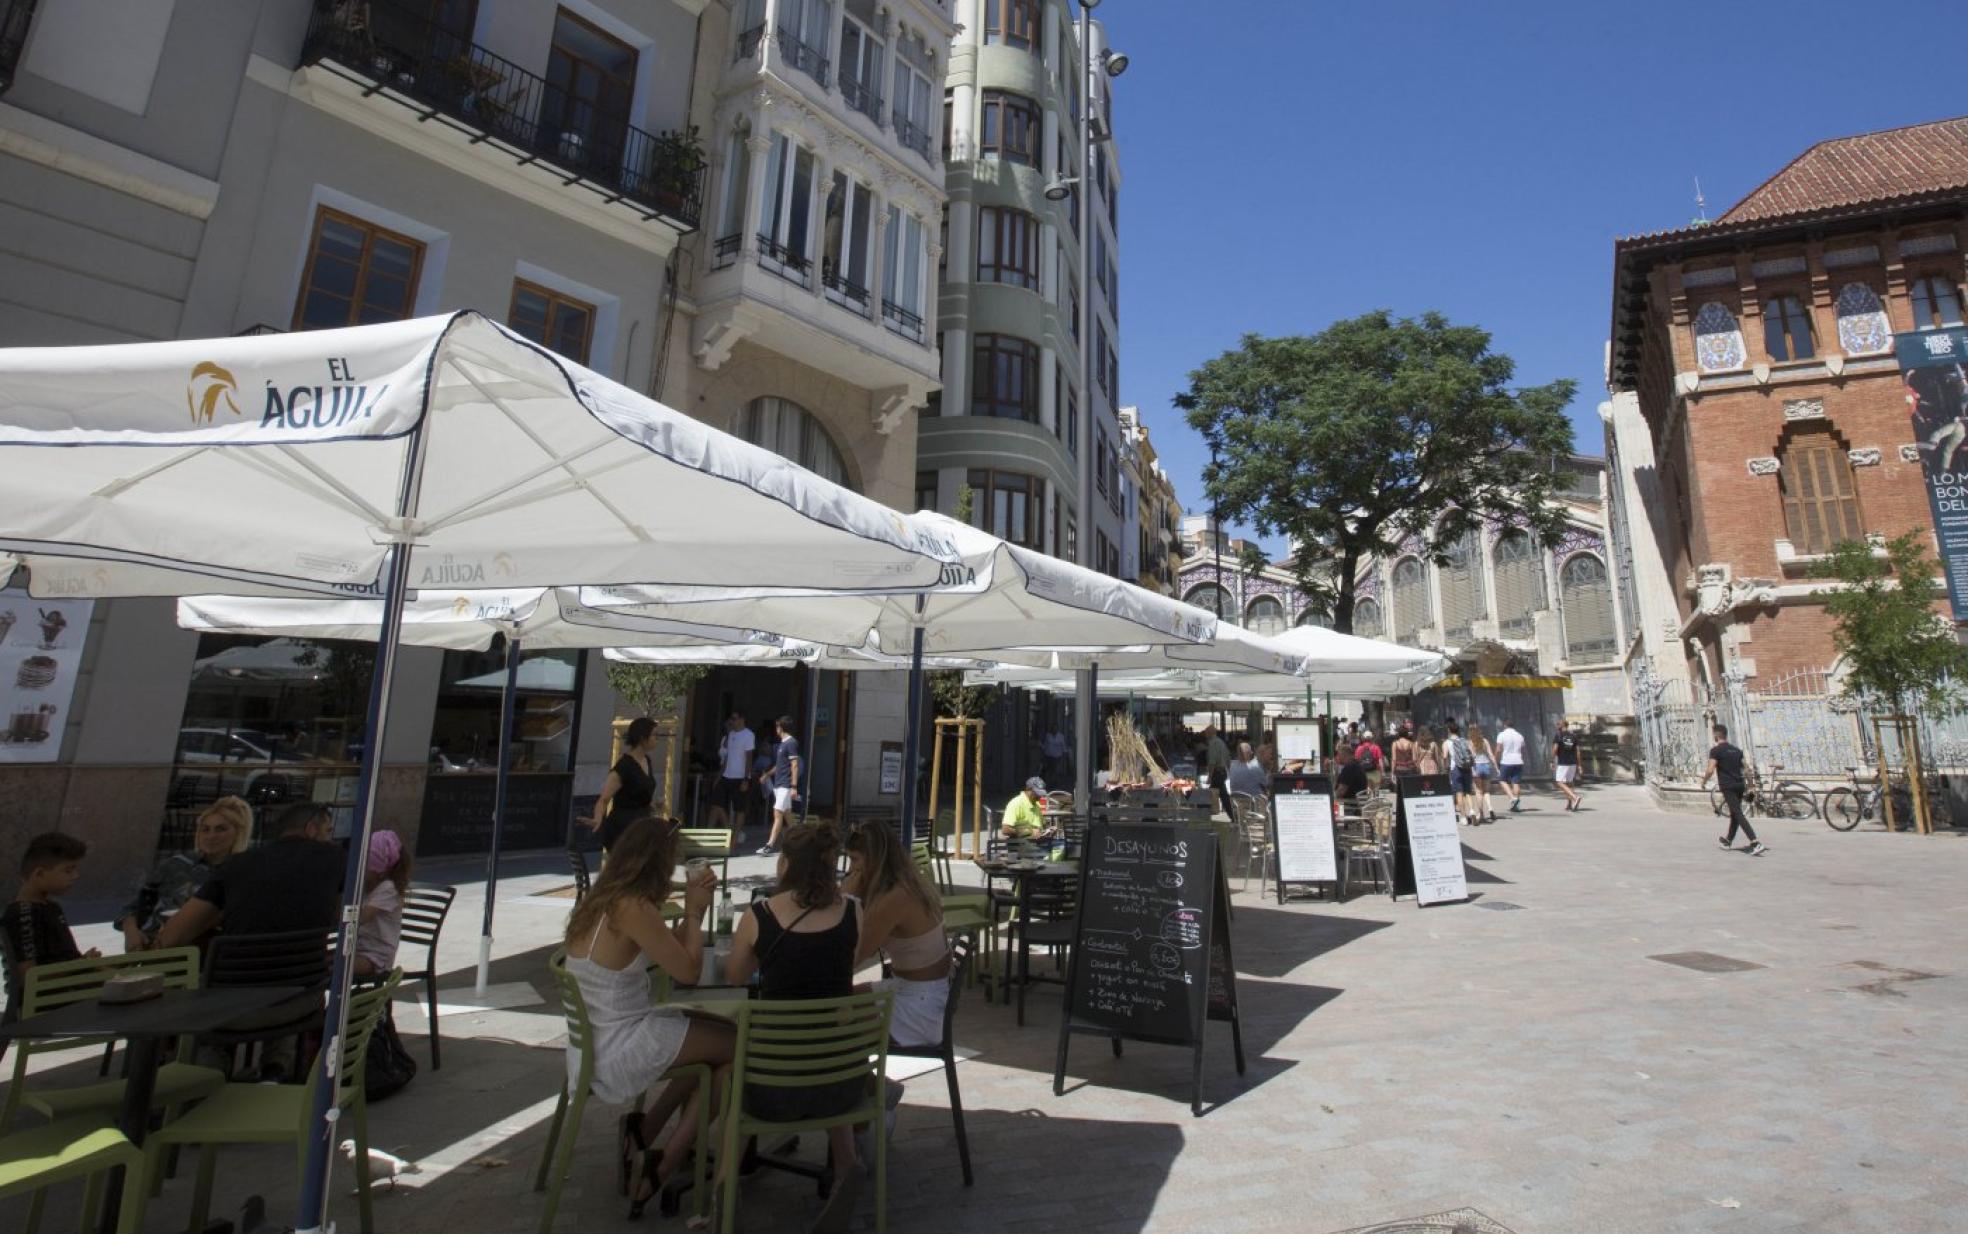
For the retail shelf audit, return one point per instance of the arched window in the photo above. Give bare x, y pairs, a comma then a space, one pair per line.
1366, 618
791, 431
1410, 601
1862, 326
1211, 599
1265, 616
1463, 601
1519, 583
1821, 505
1718, 340
1786, 329
1312, 617
1587, 597
1936, 302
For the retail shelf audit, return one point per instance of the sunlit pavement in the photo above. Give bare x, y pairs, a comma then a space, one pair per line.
1524, 1056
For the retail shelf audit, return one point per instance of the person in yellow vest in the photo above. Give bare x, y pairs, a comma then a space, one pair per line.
1024, 815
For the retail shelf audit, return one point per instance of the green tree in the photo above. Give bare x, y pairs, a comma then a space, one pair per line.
1899, 652
653, 689
952, 697
1352, 440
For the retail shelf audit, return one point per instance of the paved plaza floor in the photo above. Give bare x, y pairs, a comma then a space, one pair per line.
1625, 1029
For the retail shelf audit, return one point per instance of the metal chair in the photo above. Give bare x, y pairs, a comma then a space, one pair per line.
946, 1049
285, 958
1253, 824
424, 911
35, 1160
577, 862
711, 843
1370, 845
1048, 914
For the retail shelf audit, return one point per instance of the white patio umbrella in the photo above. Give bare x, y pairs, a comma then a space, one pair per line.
440, 452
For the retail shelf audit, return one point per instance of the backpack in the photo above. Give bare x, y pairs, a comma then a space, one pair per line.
1464, 756
1369, 758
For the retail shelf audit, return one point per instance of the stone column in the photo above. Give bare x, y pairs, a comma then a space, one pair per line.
1049, 168
878, 260
752, 220
963, 242
956, 372
816, 223
1048, 396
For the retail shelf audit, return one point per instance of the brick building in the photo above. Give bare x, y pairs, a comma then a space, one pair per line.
1758, 413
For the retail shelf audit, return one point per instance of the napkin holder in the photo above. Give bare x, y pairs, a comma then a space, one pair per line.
131, 988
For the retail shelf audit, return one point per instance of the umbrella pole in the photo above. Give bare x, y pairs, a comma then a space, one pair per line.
1083, 740
507, 702
806, 743
912, 739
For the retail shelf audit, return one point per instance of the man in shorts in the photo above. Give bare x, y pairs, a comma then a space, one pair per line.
1565, 763
1461, 763
782, 781
1510, 763
734, 787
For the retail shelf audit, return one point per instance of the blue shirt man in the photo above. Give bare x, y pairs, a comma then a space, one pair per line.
783, 780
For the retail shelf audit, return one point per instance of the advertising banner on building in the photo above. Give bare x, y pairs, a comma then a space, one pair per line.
1934, 365
40, 655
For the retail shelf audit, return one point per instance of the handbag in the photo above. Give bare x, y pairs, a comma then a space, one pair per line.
388, 1067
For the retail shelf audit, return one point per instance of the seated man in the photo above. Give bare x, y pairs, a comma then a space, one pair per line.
1024, 815
1349, 778
1247, 773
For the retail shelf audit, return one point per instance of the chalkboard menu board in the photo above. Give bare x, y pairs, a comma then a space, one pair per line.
458, 813
1151, 949
1302, 830
1428, 851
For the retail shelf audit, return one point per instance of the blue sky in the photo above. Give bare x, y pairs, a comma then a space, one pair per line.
1292, 162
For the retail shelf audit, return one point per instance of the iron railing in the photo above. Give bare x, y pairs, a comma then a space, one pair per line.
783, 261
725, 252
902, 321
862, 99
912, 137
14, 16
748, 44
394, 49
809, 60
845, 292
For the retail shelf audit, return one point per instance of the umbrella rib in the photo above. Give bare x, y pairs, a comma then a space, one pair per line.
118, 486
349, 495
259, 462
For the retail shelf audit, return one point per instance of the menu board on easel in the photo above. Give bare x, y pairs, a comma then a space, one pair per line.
1302, 830
1428, 850
40, 657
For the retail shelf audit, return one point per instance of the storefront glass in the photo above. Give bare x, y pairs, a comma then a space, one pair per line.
464, 751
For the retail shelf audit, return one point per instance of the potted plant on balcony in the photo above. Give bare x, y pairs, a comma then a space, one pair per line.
676, 160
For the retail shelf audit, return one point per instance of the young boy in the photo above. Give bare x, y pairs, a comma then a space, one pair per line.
35, 930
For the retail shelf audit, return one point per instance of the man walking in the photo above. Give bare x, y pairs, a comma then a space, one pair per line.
1052, 754
1461, 762
734, 780
1725, 763
1565, 763
783, 781
1217, 756
1510, 763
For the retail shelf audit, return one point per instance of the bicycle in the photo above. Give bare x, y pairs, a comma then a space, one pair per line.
1792, 799
1845, 808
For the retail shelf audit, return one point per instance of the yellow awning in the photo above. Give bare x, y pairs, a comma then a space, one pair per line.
1505, 683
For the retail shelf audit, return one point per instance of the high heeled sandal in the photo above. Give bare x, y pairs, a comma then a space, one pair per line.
628, 1138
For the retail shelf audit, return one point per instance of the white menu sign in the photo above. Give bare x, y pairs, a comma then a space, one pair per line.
1298, 740
40, 655
1435, 848
1305, 834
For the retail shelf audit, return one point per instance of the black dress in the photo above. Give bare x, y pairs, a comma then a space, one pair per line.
795, 965
631, 800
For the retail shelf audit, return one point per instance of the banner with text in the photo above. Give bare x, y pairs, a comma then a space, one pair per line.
1934, 365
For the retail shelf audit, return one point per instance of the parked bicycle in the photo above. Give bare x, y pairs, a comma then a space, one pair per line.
1863, 802
1791, 799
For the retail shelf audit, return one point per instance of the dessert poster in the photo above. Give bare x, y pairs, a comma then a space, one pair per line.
40, 655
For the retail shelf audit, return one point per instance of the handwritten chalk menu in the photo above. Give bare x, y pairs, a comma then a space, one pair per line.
40, 656
1302, 830
1151, 949
1432, 853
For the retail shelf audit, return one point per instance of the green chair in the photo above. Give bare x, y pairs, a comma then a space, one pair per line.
50, 986
557, 1156
804, 1043
34, 1160
966, 912
712, 843
279, 1113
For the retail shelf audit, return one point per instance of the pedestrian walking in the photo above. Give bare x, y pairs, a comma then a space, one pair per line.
734, 787
1510, 763
1460, 759
1402, 752
1428, 751
1725, 763
1565, 763
1483, 770
784, 782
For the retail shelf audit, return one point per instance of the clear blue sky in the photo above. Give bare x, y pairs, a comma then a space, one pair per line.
1292, 162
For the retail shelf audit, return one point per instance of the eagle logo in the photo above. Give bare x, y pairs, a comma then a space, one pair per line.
210, 384
461, 606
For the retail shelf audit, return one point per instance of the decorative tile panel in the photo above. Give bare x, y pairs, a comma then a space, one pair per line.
1909, 453
1803, 409
1864, 254
1864, 456
1776, 267
1920, 246
1764, 466
1718, 340
1721, 276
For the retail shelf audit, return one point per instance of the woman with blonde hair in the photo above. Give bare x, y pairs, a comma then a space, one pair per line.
225, 827
1428, 752
612, 935
901, 917
1482, 773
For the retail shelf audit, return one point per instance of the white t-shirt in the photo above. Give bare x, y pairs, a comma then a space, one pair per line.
737, 751
1510, 747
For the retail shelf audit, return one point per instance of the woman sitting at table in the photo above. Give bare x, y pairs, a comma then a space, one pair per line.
613, 935
224, 828
902, 917
803, 943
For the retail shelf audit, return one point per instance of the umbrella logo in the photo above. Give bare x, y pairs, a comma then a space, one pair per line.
502, 565
208, 386
460, 606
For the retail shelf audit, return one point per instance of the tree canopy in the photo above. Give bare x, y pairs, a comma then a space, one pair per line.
1899, 653
1374, 431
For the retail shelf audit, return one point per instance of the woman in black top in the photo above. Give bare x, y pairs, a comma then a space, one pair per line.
801, 943
630, 787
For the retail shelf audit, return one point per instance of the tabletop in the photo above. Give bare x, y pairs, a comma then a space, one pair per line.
170, 1013
1042, 869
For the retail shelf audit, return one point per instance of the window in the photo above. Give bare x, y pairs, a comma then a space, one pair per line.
1073, 303
1106, 555
909, 106
1311, 617
902, 274
806, 29
1211, 599
737, 177
1100, 456
1718, 341
1366, 618
1463, 601
1114, 208
792, 432
552, 320
1519, 583
465, 729
784, 213
1007, 247
1786, 329
1114, 288
949, 120
1410, 601
1587, 599
1071, 424
1009, 505
1821, 505
861, 65
1011, 128
1113, 374
1936, 302
590, 89
1099, 259
1004, 378
1099, 357
1071, 547
1863, 329
356, 274
1012, 23
1265, 616
845, 243
925, 490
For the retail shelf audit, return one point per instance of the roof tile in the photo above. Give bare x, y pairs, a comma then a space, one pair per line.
1869, 167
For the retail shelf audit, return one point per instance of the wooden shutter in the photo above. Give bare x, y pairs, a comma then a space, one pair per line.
1821, 503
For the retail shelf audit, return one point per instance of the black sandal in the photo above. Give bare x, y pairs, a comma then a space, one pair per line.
628, 1138
647, 1170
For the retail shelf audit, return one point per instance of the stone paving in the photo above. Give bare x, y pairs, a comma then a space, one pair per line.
1540, 1071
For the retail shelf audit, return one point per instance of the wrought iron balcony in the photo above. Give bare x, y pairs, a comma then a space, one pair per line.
914, 138
862, 98
901, 321
784, 262
809, 60
399, 52
845, 292
14, 16
725, 252
748, 44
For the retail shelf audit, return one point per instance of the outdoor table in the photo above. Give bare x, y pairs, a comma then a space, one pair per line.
146, 1025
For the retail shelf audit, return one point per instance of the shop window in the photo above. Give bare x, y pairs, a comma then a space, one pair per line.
465, 732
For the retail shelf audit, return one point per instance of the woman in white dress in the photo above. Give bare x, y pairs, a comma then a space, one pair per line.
612, 936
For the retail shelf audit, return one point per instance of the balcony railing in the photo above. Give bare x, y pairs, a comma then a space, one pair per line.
809, 60
396, 49
725, 252
784, 262
748, 44
14, 16
845, 292
862, 98
911, 136
902, 321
